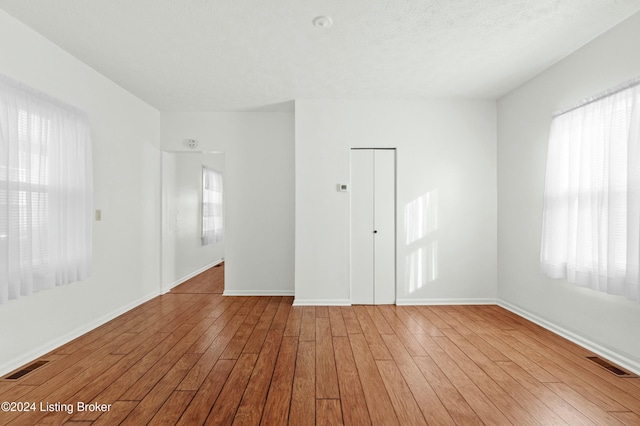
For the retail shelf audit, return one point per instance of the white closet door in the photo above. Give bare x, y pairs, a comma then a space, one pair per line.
372, 226
384, 223
362, 226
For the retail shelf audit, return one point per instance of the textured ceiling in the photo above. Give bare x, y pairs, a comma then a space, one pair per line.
215, 55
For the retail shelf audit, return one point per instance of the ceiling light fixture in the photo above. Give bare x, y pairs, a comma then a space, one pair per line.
322, 21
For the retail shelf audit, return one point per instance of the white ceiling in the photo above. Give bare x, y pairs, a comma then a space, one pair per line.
230, 55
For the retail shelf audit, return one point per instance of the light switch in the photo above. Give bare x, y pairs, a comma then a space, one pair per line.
98, 215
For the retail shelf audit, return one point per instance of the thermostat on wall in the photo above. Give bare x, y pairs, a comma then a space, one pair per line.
342, 187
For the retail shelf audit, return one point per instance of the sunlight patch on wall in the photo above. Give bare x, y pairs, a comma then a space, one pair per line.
421, 224
421, 216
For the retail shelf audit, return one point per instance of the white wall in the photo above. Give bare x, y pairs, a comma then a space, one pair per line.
259, 192
445, 151
606, 323
183, 254
126, 268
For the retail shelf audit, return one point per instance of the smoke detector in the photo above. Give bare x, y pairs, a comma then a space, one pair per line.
191, 143
322, 21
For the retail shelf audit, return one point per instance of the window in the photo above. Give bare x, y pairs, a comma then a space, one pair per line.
591, 217
212, 230
45, 192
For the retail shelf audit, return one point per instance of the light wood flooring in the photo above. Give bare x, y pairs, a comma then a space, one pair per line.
194, 357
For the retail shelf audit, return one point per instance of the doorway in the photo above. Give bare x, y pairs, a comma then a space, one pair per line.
184, 252
373, 226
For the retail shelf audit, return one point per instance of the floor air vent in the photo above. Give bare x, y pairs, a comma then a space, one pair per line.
26, 370
612, 368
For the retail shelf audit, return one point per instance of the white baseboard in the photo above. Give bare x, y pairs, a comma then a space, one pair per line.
321, 302
258, 292
191, 275
68, 337
401, 302
612, 356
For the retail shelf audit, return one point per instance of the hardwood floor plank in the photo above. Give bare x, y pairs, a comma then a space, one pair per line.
293, 321
558, 405
153, 400
58, 370
172, 409
422, 321
256, 340
207, 338
527, 400
354, 404
350, 320
376, 345
457, 407
118, 412
280, 319
588, 408
591, 390
378, 319
100, 383
142, 366
514, 355
215, 312
498, 319
308, 324
196, 376
276, 409
481, 344
209, 281
238, 341
252, 305
75, 378
240, 338
407, 320
501, 398
402, 399
303, 395
575, 363
627, 418
326, 376
481, 404
443, 313
338, 327
402, 333
226, 405
379, 404
322, 312
432, 408
162, 366
431, 313
200, 406
251, 406
16, 393
328, 412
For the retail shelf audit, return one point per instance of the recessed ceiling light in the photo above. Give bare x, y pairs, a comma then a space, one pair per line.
322, 21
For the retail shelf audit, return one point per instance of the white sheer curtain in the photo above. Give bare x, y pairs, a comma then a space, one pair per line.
591, 217
212, 229
46, 192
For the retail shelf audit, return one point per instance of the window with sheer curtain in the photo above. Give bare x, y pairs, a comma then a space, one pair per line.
591, 217
46, 192
212, 229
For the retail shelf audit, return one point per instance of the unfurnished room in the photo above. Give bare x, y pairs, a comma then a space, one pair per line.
332, 212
